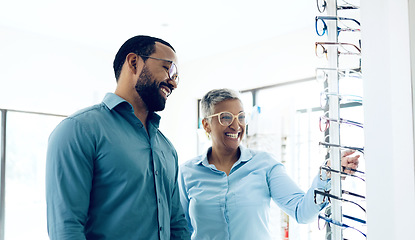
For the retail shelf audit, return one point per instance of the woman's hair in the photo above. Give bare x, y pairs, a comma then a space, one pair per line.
214, 97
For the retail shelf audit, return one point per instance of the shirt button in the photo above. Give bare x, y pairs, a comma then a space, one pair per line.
156, 172
159, 200
161, 229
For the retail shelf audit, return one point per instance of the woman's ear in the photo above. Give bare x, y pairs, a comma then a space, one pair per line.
206, 125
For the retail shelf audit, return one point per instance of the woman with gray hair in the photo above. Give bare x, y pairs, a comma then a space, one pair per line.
226, 192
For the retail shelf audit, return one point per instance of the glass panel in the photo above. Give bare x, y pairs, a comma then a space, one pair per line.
25, 213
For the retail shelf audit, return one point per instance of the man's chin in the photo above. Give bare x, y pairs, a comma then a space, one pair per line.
157, 108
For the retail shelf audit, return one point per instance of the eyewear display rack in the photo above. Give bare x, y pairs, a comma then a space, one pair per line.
332, 111
334, 129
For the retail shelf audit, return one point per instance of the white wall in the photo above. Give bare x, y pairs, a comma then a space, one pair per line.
40, 73
389, 146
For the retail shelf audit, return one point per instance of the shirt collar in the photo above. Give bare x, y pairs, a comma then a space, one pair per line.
112, 100
246, 155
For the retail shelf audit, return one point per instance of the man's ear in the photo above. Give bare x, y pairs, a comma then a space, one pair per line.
132, 62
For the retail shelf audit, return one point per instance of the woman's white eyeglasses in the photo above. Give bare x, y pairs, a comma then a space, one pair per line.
226, 118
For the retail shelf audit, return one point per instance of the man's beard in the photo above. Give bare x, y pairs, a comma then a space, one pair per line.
149, 91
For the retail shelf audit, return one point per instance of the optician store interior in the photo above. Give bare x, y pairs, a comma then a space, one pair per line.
315, 77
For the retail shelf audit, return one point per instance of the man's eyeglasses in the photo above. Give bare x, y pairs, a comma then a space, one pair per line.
322, 4
328, 196
342, 48
324, 122
329, 145
326, 170
321, 26
173, 73
226, 118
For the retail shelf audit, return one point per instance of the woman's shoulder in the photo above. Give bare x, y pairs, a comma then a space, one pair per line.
264, 156
191, 163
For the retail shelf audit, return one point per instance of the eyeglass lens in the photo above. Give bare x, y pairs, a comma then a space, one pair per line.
320, 50
226, 118
321, 26
173, 73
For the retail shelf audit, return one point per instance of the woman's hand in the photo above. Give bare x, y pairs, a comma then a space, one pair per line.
349, 162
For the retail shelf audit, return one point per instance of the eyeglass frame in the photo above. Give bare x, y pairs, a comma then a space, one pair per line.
340, 120
331, 196
172, 65
339, 29
332, 221
348, 6
329, 169
233, 118
328, 145
348, 97
327, 213
343, 73
339, 44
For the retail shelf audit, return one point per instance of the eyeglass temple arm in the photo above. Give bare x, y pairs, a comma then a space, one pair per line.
344, 173
316, 191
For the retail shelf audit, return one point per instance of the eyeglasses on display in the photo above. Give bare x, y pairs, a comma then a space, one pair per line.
227, 118
330, 145
321, 26
173, 73
343, 98
342, 48
324, 122
322, 5
325, 172
327, 196
323, 73
332, 221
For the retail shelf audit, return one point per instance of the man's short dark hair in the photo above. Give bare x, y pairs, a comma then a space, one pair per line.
140, 45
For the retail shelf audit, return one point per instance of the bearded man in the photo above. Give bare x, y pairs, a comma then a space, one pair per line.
110, 172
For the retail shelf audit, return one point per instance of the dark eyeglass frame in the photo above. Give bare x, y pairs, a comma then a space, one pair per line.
331, 196
324, 122
322, 7
329, 169
233, 118
339, 29
328, 145
343, 225
172, 71
338, 44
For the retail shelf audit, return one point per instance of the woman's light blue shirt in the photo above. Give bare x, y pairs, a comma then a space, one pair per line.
237, 206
